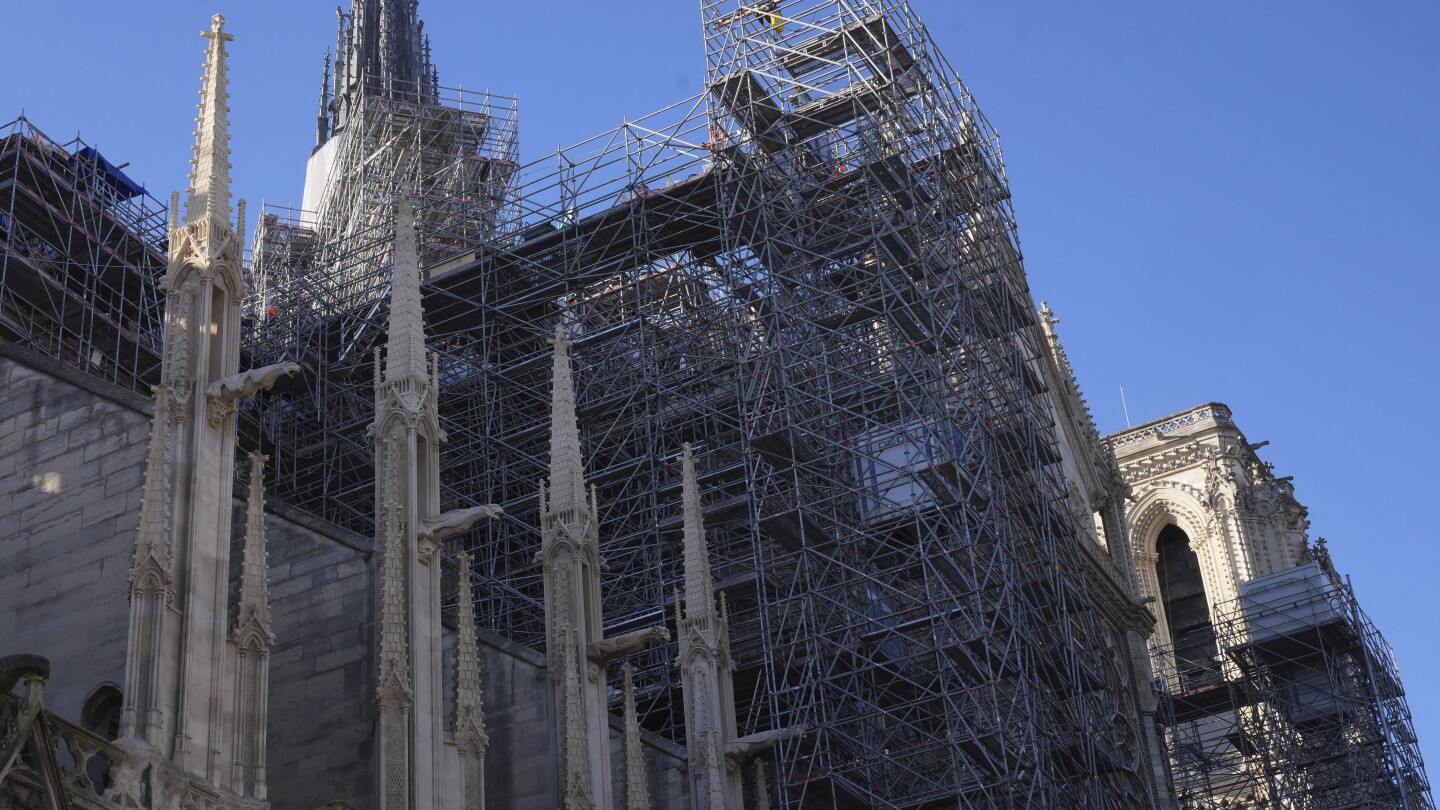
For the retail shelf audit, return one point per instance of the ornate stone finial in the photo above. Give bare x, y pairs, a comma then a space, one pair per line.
405, 358
567, 468
240, 222
254, 605
394, 665
637, 791
253, 639
153, 549
575, 765
470, 736
210, 169
1047, 318
704, 661
699, 584
714, 771
762, 790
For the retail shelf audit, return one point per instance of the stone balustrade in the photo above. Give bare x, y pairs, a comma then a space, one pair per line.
96, 773
1210, 412
85, 759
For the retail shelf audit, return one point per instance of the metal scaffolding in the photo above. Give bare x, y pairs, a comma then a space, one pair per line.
321, 278
809, 271
82, 251
1302, 707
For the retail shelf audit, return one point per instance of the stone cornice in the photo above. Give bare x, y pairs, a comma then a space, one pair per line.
1203, 416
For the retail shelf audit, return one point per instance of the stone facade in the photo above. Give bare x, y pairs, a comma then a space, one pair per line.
62, 572
1274, 687
1196, 471
1095, 497
72, 455
321, 678
266, 658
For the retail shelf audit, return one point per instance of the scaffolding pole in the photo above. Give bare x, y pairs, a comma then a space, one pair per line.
1302, 708
810, 272
82, 253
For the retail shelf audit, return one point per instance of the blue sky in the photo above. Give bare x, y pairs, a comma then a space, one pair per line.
1230, 201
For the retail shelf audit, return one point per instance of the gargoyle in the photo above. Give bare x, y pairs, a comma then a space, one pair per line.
602, 652
15, 667
247, 384
739, 750
451, 523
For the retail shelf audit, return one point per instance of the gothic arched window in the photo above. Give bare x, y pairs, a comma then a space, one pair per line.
1187, 610
101, 713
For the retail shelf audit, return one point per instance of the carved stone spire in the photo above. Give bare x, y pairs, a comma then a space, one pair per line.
153, 551
393, 695
181, 677
405, 357
567, 467
210, 169
699, 585
253, 640
470, 737
717, 753
575, 644
704, 662
253, 610
570, 552
407, 486
576, 789
152, 589
394, 680
762, 790
637, 791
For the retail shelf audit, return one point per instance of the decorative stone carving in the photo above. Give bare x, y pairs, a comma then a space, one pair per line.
762, 789
570, 557
716, 751
606, 650
439, 528
178, 651
222, 394
407, 437
253, 640
744, 748
635, 786
469, 725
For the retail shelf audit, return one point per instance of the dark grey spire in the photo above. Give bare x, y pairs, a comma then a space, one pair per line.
380, 50
322, 117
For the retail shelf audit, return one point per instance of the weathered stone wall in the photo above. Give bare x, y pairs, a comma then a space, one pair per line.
321, 681
72, 453
520, 767
72, 462
665, 767
520, 763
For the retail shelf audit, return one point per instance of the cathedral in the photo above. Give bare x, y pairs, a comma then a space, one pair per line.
730, 465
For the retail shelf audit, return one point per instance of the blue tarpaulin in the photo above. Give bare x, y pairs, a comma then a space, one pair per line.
113, 177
